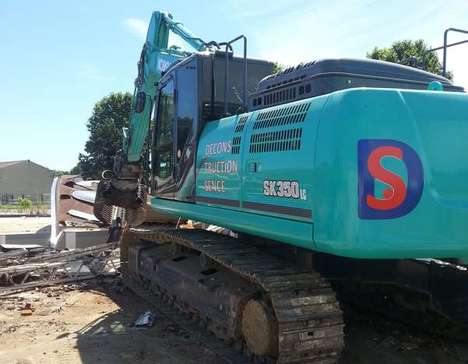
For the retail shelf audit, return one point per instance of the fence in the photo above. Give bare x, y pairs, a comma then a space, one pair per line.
7, 198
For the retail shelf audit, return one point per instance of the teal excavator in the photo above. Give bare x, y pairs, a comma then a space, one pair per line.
335, 178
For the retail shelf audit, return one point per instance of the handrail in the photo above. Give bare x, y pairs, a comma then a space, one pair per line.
226, 71
444, 62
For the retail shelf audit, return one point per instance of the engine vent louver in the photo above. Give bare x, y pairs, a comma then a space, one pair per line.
241, 124
281, 96
237, 139
282, 116
276, 141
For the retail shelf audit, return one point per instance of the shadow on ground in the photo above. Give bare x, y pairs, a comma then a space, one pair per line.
369, 339
113, 338
372, 339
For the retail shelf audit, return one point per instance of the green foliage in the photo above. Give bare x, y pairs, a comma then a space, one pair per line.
58, 173
75, 169
25, 203
278, 67
410, 53
110, 115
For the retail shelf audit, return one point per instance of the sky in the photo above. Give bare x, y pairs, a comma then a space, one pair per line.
58, 58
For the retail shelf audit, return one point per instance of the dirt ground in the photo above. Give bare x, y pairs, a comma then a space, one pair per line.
93, 322
15, 225
89, 324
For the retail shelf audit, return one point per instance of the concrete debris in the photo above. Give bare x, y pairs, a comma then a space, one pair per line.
83, 215
146, 319
40, 268
14, 257
19, 246
19, 241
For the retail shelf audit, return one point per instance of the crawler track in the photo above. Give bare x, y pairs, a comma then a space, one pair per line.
308, 322
163, 305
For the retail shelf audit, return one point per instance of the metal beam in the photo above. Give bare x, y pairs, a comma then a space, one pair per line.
448, 45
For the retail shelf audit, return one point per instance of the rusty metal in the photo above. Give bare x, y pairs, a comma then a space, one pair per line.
26, 272
53, 282
10, 257
64, 202
146, 214
68, 211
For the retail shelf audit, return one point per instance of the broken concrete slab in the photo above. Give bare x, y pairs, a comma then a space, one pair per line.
19, 246
78, 238
41, 239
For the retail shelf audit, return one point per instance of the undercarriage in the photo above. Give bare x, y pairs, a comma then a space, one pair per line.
267, 307
279, 305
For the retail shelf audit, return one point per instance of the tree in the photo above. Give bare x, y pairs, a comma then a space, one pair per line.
277, 67
410, 53
58, 172
75, 169
24, 203
109, 116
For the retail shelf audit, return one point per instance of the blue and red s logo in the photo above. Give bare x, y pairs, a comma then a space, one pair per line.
399, 196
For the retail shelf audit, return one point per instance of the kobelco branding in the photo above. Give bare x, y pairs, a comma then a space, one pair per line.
399, 197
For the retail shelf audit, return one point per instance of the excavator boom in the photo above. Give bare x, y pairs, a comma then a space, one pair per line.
156, 56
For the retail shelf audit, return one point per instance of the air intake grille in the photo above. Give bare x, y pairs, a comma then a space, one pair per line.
281, 96
282, 116
241, 124
236, 141
276, 141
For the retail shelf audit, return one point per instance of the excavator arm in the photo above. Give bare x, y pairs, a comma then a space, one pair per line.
163, 46
156, 56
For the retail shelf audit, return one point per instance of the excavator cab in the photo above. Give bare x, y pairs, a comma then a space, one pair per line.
202, 87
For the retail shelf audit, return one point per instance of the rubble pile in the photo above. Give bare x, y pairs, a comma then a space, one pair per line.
27, 268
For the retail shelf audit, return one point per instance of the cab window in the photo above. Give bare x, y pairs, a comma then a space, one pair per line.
186, 108
164, 133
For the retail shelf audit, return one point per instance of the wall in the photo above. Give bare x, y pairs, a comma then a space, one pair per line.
26, 178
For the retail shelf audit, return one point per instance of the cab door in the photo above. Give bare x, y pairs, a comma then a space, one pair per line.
163, 151
174, 140
185, 125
